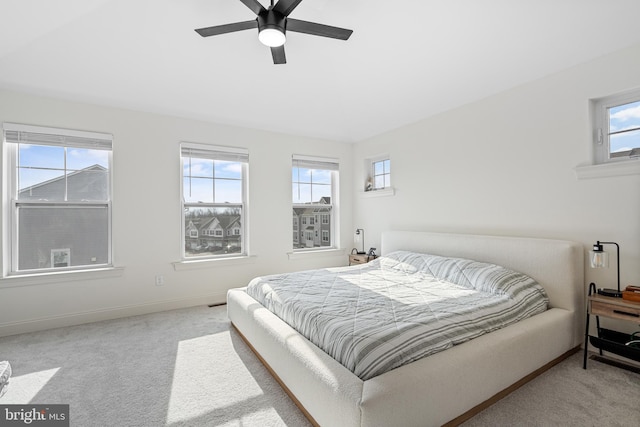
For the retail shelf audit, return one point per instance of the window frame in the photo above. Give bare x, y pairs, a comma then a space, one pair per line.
386, 173
55, 137
221, 153
368, 172
601, 123
318, 163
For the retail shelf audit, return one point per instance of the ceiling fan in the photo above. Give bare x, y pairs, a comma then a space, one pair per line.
273, 24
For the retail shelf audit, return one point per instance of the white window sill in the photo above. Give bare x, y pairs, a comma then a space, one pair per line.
385, 192
60, 276
306, 254
211, 262
605, 170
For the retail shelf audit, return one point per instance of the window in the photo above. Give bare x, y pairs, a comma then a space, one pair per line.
377, 175
381, 174
59, 197
214, 200
617, 127
314, 183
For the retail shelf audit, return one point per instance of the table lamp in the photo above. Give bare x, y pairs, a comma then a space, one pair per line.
600, 259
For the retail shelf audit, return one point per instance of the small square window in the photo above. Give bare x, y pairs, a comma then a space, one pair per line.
381, 173
624, 129
617, 127
377, 175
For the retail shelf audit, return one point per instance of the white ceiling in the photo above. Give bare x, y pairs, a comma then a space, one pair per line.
406, 60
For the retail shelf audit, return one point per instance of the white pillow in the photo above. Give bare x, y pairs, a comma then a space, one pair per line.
5, 373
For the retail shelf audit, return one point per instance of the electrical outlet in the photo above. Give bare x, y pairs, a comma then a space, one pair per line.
159, 280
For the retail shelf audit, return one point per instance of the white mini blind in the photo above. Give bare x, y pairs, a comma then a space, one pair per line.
228, 154
315, 162
37, 135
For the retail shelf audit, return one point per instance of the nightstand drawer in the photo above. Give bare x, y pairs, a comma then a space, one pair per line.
607, 339
617, 311
355, 259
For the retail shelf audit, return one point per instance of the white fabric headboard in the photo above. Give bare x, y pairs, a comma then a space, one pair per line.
558, 265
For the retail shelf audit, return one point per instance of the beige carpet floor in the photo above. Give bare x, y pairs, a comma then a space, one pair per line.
187, 368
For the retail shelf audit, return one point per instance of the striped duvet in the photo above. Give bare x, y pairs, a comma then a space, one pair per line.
399, 308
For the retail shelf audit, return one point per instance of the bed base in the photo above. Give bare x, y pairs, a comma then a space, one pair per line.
277, 378
447, 387
453, 423
507, 391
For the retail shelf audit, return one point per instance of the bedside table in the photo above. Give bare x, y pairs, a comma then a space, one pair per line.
355, 259
606, 339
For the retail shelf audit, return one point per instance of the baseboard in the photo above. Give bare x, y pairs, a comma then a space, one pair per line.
79, 318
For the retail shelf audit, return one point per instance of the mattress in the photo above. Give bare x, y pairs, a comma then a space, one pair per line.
375, 317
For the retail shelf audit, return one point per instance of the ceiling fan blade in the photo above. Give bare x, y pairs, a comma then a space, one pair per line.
227, 28
256, 7
278, 55
317, 29
285, 7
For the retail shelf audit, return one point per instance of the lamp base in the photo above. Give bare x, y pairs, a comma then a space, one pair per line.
610, 293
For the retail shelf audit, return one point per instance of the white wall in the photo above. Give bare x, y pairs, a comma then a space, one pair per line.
146, 216
505, 165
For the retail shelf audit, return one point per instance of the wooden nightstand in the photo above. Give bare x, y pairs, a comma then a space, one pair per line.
606, 339
355, 259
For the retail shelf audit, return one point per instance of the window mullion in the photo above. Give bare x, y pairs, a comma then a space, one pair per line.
213, 182
190, 177
624, 131
66, 176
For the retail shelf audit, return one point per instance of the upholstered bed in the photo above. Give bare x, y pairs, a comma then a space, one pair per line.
444, 386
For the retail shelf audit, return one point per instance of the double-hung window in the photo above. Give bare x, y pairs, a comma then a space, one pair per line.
213, 200
315, 183
617, 127
59, 198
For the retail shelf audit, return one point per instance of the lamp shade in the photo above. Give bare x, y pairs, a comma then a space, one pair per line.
599, 259
359, 238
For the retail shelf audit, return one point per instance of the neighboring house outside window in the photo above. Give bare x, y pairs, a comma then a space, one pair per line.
192, 231
314, 182
213, 200
58, 199
617, 127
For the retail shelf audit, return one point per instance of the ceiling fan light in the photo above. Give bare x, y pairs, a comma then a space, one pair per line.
272, 37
